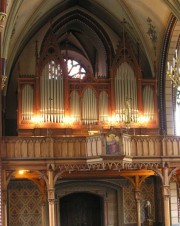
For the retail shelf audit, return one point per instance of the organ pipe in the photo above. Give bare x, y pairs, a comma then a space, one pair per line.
89, 107
75, 106
103, 106
52, 94
27, 102
90, 110
125, 89
148, 102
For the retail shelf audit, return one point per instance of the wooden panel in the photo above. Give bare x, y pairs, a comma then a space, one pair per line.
24, 149
37, 149
74, 147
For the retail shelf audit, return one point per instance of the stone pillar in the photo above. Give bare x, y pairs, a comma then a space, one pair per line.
51, 197
166, 195
138, 205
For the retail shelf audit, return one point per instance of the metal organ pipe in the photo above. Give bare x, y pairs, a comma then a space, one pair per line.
74, 105
103, 106
89, 107
27, 102
52, 93
148, 102
125, 88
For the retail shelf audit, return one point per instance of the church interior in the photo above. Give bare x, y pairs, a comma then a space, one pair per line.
89, 113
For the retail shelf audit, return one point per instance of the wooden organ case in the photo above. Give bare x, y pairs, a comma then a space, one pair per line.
52, 102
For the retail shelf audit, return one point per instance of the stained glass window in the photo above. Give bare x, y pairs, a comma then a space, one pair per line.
75, 69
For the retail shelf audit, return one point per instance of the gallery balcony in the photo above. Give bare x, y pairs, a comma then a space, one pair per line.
135, 147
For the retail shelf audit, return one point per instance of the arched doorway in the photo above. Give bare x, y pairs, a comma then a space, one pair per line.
81, 209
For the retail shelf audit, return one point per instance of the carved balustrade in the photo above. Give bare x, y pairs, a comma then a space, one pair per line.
51, 147
67, 147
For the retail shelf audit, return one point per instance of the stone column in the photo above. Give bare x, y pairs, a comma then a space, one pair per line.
51, 197
166, 195
138, 205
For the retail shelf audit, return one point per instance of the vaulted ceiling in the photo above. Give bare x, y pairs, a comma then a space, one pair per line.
87, 25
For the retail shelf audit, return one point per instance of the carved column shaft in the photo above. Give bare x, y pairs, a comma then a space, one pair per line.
166, 205
51, 198
166, 195
138, 205
56, 211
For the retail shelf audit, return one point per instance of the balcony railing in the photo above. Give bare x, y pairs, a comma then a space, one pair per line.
67, 147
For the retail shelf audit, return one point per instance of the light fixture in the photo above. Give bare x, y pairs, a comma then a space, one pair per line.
173, 70
22, 172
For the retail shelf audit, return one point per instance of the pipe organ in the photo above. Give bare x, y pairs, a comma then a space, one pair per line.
148, 102
59, 100
27, 102
89, 107
125, 89
75, 106
103, 107
52, 94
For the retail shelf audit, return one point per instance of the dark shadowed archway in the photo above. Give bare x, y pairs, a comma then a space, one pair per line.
81, 209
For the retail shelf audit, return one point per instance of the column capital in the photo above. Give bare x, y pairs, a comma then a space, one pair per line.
137, 194
51, 195
50, 173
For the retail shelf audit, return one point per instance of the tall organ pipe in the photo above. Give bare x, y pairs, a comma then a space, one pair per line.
125, 89
27, 102
52, 94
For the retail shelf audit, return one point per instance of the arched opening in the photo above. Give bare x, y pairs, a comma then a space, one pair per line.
81, 209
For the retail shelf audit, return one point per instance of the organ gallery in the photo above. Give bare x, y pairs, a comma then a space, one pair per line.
90, 94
